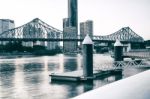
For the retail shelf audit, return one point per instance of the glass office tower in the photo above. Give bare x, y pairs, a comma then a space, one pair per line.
73, 12
70, 27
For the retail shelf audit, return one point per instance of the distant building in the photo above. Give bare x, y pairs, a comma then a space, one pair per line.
73, 12
6, 24
69, 33
86, 28
66, 22
70, 27
52, 45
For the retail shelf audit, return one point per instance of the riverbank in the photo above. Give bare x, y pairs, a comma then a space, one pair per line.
24, 54
15, 55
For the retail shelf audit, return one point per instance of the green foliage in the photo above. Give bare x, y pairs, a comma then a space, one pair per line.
36, 50
12, 46
147, 43
100, 49
137, 46
38, 47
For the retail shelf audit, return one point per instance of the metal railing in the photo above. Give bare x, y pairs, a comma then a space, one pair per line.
122, 64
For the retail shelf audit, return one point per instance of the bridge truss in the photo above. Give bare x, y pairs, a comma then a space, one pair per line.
37, 30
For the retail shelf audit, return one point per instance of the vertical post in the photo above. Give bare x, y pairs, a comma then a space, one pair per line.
118, 55
118, 51
87, 57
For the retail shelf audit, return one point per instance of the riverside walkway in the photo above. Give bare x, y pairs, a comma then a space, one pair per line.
134, 87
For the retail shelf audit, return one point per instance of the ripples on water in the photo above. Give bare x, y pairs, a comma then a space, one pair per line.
28, 78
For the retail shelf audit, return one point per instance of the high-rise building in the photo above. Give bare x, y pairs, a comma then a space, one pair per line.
73, 12
52, 45
82, 29
69, 33
70, 26
6, 24
66, 22
86, 28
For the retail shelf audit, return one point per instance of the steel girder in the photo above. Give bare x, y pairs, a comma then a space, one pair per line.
37, 29
124, 34
34, 29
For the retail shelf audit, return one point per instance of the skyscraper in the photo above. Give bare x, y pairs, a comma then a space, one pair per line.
70, 27
70, 46
86, 28
73, 12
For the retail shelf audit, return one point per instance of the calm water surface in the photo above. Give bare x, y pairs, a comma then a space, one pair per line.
28, 77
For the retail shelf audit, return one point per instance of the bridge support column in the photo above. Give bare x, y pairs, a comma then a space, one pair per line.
118, 51
88, 58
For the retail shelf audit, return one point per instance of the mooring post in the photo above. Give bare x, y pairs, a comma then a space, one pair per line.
118, 56
87, 58
118, 51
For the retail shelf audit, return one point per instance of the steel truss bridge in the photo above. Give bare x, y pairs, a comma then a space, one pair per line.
37, 30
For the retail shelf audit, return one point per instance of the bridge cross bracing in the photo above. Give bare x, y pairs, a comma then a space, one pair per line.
38, 30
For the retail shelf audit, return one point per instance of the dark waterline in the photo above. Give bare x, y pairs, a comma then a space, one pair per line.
28, 78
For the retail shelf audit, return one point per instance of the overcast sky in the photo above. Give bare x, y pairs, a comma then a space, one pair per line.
108, 15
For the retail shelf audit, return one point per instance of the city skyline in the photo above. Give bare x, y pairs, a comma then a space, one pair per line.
108, 15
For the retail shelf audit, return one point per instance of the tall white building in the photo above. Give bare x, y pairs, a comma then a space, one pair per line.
6, 24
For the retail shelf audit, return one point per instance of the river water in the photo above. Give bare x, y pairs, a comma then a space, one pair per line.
28, 77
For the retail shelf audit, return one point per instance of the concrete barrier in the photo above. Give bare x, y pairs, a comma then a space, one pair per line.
134, 87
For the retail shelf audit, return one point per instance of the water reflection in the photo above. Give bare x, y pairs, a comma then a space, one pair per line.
6, 79
88, 85
118, 77
7, 74
32, 67
7, 67
28, 78
70, 65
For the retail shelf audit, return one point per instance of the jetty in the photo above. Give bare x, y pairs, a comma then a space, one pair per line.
78, 76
